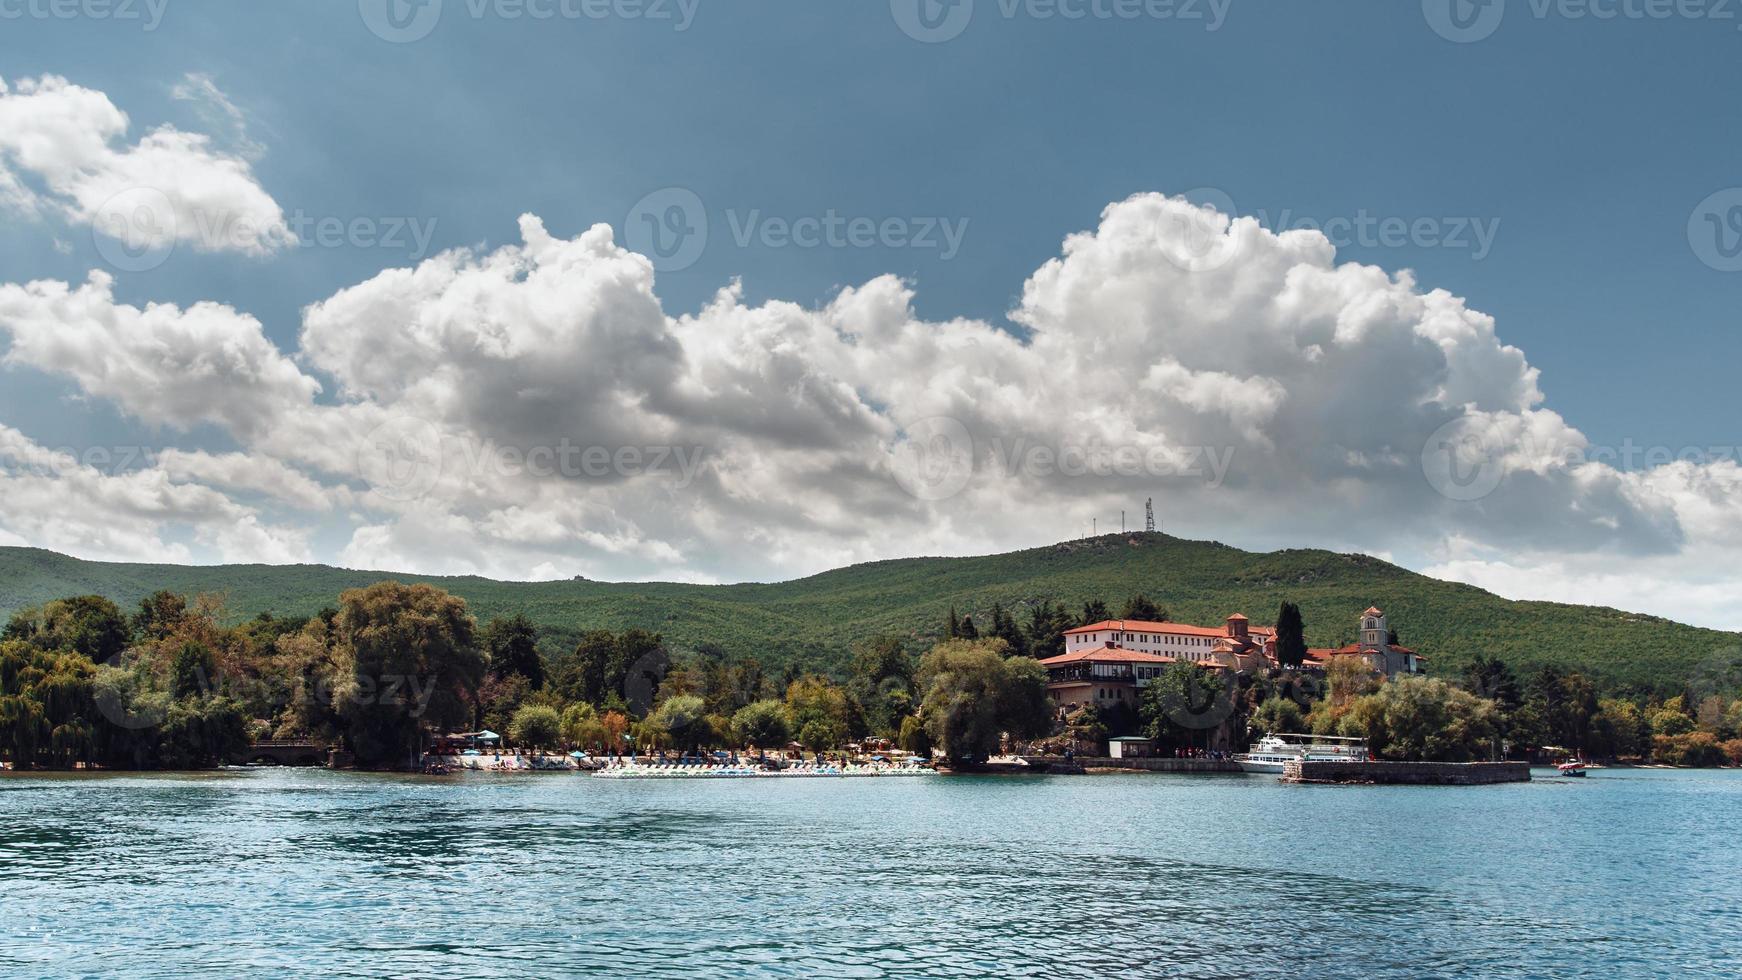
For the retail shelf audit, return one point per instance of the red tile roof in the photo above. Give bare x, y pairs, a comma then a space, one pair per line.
1106, 655
1354, 648
1145, 626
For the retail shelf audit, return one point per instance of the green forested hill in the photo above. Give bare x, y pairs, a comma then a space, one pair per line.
814, 620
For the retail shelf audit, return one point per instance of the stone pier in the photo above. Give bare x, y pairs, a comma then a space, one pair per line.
1407, 773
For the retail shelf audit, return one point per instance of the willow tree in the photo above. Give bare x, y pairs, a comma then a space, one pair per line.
406, 657
973, 693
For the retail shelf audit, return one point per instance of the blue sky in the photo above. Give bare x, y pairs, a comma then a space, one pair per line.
1582, 145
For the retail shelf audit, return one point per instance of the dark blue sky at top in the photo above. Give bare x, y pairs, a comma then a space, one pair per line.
1590, 141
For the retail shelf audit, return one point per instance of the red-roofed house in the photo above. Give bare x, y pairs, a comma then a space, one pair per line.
1237, 644
1101, 676
1107, 663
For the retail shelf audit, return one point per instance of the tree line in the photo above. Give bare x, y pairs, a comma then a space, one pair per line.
172, 685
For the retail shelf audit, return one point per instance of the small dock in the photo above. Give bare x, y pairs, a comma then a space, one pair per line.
1406, 773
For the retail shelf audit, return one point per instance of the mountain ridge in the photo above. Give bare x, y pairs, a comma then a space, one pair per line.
812, 621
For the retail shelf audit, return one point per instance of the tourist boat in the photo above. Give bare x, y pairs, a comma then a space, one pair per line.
1272, 752
1571, 768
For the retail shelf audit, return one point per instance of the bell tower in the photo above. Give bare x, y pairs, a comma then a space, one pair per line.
1373, 629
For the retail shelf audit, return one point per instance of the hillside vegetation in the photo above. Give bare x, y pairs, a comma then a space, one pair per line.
813, 621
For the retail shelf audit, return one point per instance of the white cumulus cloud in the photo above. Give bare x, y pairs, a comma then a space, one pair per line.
64, 150
532, 412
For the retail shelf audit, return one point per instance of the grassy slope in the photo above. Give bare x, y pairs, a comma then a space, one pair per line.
815, 619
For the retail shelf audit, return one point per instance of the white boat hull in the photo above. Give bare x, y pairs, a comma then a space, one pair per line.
1253, 765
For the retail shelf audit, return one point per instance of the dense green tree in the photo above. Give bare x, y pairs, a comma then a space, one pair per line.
968, 631
193, 671
1004, 628
1139, 607
820, 711
89, 625
160, 615
914, 738
1558, 709
973, 693
407, 658
1046, 630
1184, 705
1671, 721
882, 683
1490, 677
511, 644
1424, 718
536, 726
1621, 729
1094, 611
581, 726
200, 732
1291, 648
1277, 715
685, 716
764, 724
614, 670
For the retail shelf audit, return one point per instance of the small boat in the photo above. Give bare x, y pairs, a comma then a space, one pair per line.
1571, 768
1272, 752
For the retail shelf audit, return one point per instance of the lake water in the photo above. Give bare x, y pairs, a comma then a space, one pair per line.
1628, 873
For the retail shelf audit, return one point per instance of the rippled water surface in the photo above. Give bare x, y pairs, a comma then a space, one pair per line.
1626, 873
